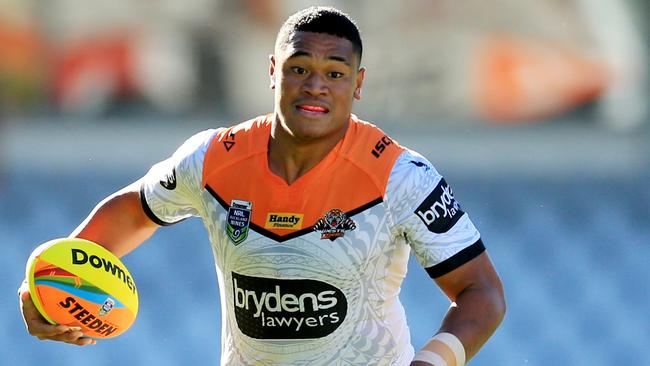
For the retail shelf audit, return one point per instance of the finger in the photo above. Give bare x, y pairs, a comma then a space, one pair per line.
37, 325
26, 302
50, 331
84, 341
31, 313
73, 337
79, 341
29, 309
24, 295
34, 321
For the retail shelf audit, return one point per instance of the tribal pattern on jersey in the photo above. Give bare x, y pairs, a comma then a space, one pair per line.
309, 273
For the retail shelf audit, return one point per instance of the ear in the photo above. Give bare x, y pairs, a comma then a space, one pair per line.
272, 71
359, 83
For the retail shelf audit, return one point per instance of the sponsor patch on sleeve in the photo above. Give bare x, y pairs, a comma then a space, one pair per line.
439, 211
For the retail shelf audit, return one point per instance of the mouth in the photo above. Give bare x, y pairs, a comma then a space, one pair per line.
312, 109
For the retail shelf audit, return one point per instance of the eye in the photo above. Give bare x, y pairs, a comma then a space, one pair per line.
336, 75
298, 70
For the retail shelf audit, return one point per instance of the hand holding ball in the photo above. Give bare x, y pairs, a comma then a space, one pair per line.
79, 283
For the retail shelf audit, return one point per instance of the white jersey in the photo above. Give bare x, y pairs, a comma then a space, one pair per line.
310, 272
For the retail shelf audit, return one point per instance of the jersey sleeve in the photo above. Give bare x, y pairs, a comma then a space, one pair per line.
428, 216
170, 191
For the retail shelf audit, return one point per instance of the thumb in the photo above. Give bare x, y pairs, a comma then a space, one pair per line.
29, 310
25, 295
27, 306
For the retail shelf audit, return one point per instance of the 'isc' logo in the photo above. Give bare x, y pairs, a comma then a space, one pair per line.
380, 146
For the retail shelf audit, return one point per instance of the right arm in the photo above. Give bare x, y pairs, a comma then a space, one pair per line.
118, 223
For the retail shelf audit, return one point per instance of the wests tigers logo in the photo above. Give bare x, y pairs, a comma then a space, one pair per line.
334, 224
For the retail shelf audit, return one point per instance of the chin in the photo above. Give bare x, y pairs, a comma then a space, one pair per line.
309, 128
308, 134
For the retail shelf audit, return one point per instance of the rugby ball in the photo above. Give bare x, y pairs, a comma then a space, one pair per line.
79, 283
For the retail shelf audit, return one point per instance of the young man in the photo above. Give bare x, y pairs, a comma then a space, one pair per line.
311, 213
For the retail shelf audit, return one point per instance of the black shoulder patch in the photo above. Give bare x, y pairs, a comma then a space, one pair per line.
439, 211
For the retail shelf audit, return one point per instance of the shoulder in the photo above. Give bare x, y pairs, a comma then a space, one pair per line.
412, 179
413, 174
191, 150
413, 166
370, 149
366, 141
188, 158
241, 138
238, 142
197, 142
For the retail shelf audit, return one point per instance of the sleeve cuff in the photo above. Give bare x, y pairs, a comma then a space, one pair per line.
456, 260
148, 212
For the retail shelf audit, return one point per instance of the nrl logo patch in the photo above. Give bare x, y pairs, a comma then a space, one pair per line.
239, 217
108, 305
334, 224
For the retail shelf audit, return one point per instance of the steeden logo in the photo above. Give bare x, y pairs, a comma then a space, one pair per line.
283, 220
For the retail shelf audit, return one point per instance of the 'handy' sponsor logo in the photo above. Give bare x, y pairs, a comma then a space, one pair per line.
282, 220
269, 308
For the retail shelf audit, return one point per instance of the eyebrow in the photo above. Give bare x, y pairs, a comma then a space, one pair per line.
333, 57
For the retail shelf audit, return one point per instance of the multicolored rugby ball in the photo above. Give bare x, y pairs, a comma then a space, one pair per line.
79, 283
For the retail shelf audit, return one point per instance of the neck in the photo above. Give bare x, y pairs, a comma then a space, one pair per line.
290, 157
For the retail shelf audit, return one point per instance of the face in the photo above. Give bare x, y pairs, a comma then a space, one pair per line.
316, 77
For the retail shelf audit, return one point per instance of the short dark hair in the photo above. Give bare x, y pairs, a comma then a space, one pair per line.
320, 19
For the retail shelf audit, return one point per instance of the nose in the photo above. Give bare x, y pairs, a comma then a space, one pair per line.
315, 84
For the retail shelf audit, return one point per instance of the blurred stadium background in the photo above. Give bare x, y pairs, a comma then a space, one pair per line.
536, 112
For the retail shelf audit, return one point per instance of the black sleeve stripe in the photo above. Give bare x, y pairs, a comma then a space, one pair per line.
456, 260
147, 210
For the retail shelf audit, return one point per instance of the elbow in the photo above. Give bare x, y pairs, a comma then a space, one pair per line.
501, 309
493, 305
499, 305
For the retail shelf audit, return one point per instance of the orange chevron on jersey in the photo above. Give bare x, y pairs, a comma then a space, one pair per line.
351, 178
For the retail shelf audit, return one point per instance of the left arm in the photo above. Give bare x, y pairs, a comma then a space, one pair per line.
449, 247
477, 310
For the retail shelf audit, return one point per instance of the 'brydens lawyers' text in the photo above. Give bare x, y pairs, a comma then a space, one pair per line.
267, 308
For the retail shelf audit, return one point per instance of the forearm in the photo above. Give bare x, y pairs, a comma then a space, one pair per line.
477, 310
474, 316
471, 320
118, 222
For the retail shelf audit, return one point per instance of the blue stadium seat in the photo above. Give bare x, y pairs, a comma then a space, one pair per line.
573, 255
